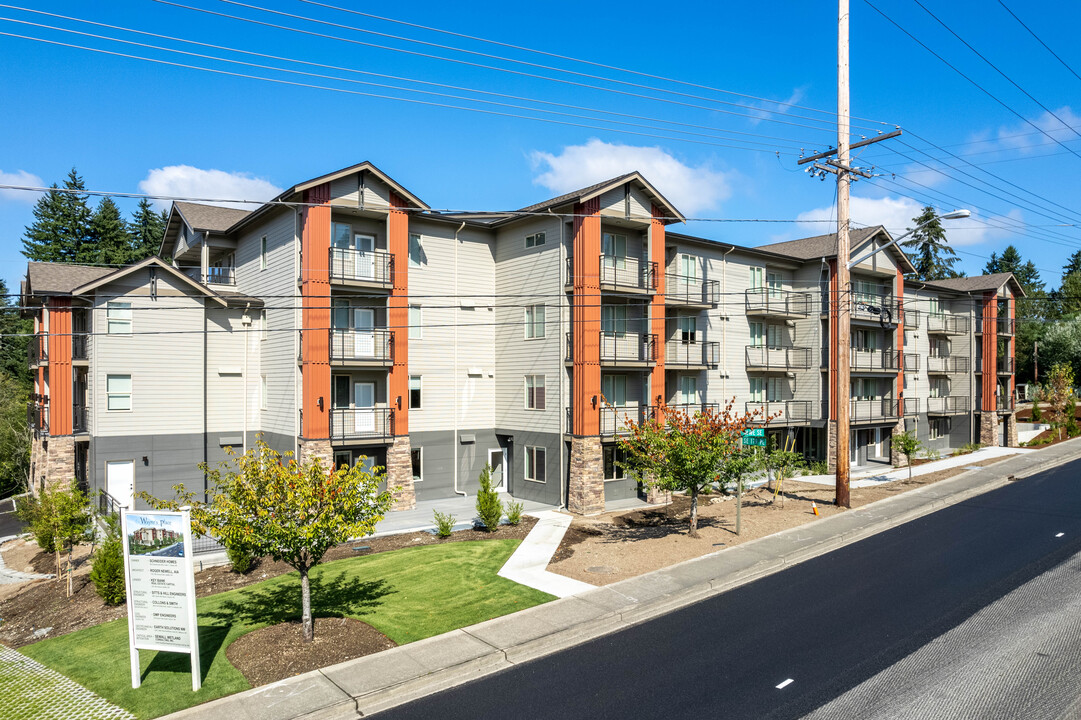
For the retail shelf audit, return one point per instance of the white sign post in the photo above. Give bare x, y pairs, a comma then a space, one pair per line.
160, 587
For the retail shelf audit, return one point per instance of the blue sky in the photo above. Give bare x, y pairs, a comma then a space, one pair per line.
130, 125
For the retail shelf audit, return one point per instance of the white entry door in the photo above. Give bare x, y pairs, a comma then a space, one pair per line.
120, 481
363, 332
497, 458
364, 407
365, 245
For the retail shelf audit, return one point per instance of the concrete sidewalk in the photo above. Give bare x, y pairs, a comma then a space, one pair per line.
360, 687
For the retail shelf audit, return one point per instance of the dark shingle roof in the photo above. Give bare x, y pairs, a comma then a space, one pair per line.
819, 246
574, 194
973, 284
210, 217
46, 278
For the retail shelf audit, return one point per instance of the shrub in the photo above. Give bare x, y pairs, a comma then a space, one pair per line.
969, 448
932, 454
1072, 430
34, 512
240, 557
107, 572
444, 524
513, 511
819, 467
1037, 414
489, 508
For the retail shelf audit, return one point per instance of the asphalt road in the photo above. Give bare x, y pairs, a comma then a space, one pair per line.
961, 613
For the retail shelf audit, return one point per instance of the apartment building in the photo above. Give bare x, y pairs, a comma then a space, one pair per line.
346, 320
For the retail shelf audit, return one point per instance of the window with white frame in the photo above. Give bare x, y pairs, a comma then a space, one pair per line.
534, 464
758, 334
534, 392
688, 329
614, 389
613, 459
688, 267
614, 250
118, 392
758, 278
534, 322
614, 319
414, 392
758, 389
262, 325
416, 251
774, 336
939, 427
416, 458
773, 281
263, 393
416, 322
775, 389
118, 317
262, 253
867, 291
688, 389
534, 240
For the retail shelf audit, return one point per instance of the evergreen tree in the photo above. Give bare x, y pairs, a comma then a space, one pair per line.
1010, 261
112, 242
1072, 265
147, 229
13, 340
1069, 295
932, 257
61, 229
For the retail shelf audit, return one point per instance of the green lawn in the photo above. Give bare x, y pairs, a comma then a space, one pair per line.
407, 594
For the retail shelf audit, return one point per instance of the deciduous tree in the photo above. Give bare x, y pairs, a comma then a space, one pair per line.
907, 444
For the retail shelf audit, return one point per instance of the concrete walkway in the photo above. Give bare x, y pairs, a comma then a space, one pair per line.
870, 478
8, 576
360, 687
529, 563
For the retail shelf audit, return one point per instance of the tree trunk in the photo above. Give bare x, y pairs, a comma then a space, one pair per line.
306, 606
694, 511
909, 458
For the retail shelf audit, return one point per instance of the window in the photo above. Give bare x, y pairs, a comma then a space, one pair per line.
933, 309
262, 393
118, 392
865, 340
688, 389
262, 253
688, 329
118, 318
416, 323
416, 252
773, 281
534, 321
614, 389
864, 389
688, 267
614, 249
416, 457
534, 463
534, 240
758, 334
262, 325
534, 392
773, 336
940, 427
758, 278
774, 389
758, 389
414, 392
866, 291
613, 457
614, 319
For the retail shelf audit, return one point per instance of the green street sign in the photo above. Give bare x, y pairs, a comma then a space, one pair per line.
754, 441
754, 433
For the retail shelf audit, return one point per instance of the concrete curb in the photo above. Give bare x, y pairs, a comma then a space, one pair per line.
362, 687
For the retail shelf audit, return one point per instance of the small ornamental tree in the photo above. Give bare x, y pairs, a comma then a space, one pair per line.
1059, 393
732, 471
907, 444
291, 511
489, 508
60, 519
683, 451
781, 463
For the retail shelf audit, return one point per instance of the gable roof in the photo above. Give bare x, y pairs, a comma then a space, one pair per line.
592, 191
157, 262
359, 167
47, 278
978, 283
825, 246
209, 217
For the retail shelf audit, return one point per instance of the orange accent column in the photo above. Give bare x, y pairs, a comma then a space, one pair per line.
398, 313
833, 339
586, 319
989, 381
315, 315
1013, 346
60, 376
657, 310
900, 343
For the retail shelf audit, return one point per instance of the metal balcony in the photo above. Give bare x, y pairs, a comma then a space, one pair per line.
1005, 365
374, 268
777, 359
881, 309
361, 424
37, 350
628, 273
79, 419
912, 362
941, 323
773, 302
690, 291
692, 409
361, 347
875, 361
1004, 403
692, 354
947, 365
882, 410
617, 419
911, 317
37, 418
80, 346
951, 405
781, 412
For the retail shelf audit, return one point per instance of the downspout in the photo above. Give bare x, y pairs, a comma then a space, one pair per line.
561, 296
206, 449
246, 321
454, 379
724, 323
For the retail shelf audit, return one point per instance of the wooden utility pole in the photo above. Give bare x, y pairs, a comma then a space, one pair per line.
842, 296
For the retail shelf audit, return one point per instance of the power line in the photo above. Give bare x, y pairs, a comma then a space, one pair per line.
1037, 37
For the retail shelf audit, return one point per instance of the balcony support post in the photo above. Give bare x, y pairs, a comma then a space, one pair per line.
400, 474
657, 313
315, 321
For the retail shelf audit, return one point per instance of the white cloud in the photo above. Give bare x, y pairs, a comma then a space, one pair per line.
692, 189
217, 186
20, 177
1023, 138
896, 214
768, 107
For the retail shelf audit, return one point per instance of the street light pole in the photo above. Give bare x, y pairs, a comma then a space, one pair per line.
839, 298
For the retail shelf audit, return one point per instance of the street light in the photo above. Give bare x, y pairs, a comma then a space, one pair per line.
955, 215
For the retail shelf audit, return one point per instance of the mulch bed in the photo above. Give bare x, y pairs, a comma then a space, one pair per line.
279, 651
44, 603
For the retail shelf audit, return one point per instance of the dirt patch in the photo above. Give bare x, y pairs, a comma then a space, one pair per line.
615, 546
40, 604
279, 651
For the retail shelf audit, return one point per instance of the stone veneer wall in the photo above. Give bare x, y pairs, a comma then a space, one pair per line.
988, 429
586, 493
316, 449
400, 474
1011, 430
831, 446
897, 458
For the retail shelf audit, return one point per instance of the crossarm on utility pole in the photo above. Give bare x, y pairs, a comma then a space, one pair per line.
853, 146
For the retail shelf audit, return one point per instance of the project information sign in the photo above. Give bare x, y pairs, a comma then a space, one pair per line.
160, 586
